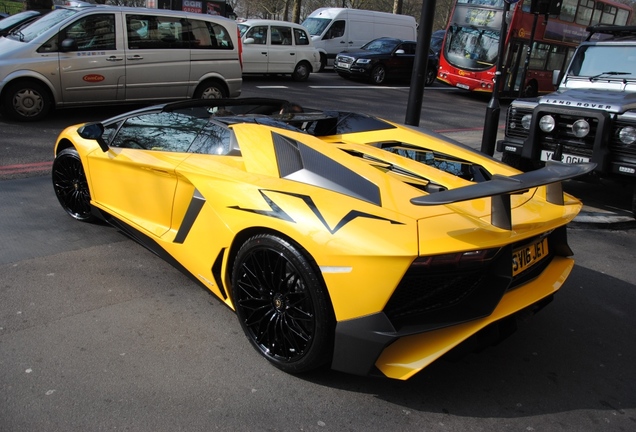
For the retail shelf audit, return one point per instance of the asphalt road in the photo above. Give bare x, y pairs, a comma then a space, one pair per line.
96, 333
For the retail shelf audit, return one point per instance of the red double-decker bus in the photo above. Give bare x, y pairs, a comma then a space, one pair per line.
468, 59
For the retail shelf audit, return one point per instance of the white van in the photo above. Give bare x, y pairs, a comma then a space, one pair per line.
278, 47
334, 30
97, 55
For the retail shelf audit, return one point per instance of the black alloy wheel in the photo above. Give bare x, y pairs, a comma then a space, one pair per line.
282, 304
71, 186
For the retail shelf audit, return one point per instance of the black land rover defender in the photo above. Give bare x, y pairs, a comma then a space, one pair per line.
590, 118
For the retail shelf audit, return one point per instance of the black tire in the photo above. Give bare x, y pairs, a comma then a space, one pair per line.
323, 62
26, 101
431, 76
71, 186
378, 75
301, 72
210, 90
282, 304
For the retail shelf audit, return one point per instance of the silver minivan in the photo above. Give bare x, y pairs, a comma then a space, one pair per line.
111, 55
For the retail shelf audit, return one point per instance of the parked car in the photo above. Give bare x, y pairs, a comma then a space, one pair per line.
338, 238
336, 29
10, 23
383, 59
278, 47
96, 55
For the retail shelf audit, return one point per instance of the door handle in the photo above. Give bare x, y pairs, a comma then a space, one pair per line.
113, 58
135, 57
264, 53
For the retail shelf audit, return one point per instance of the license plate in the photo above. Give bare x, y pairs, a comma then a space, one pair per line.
567, 158
344, 65
462, 86
527, 256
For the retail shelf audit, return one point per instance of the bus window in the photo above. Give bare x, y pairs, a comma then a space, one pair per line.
584, 14
568, 10
539, 56
621, 17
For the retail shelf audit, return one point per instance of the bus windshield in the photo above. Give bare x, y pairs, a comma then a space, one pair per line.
472, 48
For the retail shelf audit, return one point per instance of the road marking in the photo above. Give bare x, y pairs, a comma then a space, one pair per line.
272, 87
362, 88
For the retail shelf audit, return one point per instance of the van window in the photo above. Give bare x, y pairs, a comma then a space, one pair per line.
158, 32
336, 30
92, 33
209, 35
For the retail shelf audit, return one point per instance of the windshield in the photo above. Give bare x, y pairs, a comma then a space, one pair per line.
39, 26
383, 46
316, 25
243, 28
472, 39
14, 19
596, 61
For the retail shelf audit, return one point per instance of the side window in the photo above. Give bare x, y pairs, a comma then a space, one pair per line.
539, 56
300, 37
92, 33
214, 139
281, 35
159, 32
259, 34
209, 35
164, 131
337, 30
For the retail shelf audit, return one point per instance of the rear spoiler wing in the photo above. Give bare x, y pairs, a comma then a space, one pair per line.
499, 188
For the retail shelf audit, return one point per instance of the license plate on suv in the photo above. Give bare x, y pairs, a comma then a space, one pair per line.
546, 155
525, 257
343, 65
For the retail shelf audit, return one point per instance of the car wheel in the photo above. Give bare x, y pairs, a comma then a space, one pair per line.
210, 90
71, 186
282, 304
301, 72
27, 101
323, 62
378, 75
431, 75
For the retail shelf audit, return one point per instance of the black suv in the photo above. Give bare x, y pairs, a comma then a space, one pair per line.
383, 59
590, 118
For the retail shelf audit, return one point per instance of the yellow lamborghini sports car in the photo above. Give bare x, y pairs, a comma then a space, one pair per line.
337, 238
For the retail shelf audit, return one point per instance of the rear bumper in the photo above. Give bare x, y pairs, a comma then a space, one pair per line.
372, 346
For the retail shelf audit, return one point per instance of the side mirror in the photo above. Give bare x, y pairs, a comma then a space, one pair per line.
68, 45
248, 41
94, 131
556, 77
400, 51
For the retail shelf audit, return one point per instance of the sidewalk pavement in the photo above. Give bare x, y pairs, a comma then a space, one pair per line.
603, 203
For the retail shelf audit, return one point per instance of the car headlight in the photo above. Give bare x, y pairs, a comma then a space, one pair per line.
581, 128
526, 120
363, 61
547, 123
627, 135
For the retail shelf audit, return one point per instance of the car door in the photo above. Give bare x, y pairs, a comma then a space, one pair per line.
91, 59
256, 49
157, 58
144, 152
282, 52
402, 60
